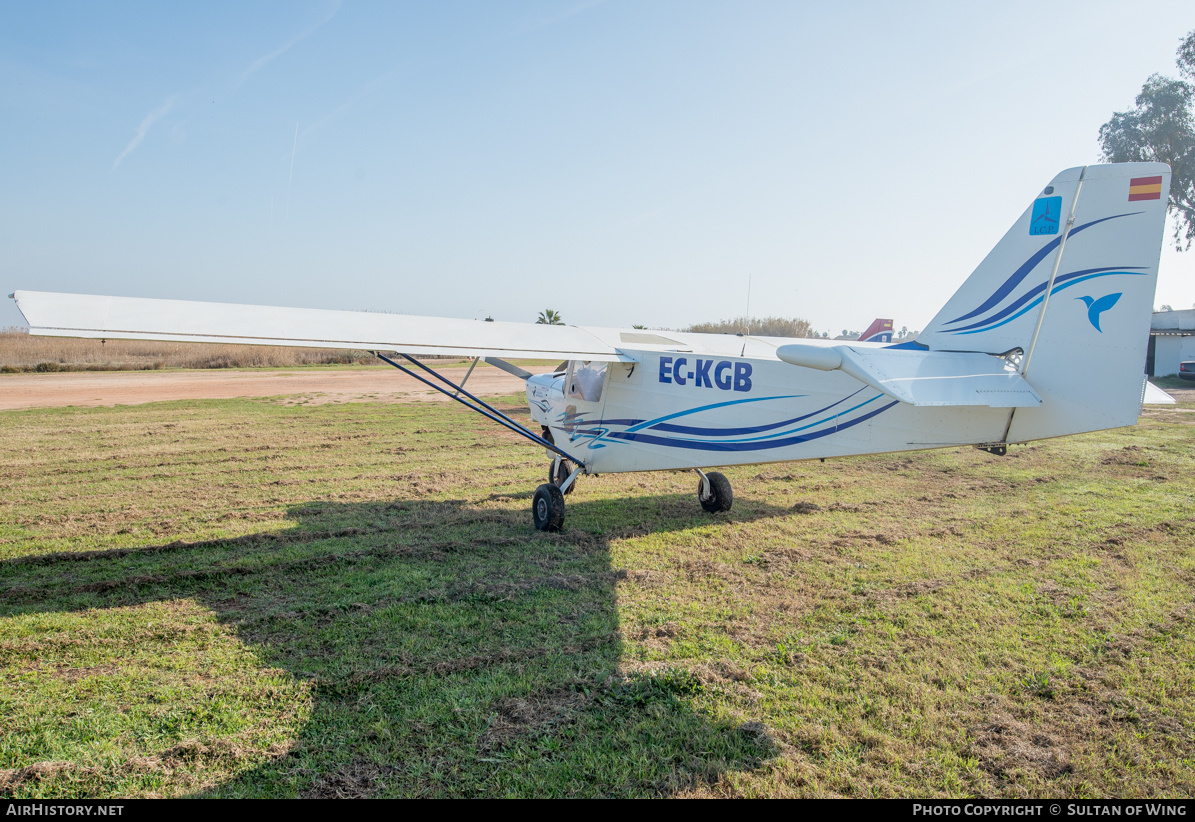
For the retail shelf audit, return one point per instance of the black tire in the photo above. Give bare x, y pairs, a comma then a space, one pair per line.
720, 497
547, 508
558, 477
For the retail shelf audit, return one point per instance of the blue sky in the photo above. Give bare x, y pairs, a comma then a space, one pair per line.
621, 162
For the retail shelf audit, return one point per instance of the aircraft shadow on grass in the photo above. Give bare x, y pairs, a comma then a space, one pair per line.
448, 647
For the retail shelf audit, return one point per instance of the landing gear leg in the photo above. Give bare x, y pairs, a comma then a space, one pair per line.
559, 473
713, 492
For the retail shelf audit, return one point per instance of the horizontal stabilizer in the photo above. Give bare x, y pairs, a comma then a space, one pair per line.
922, 377
88, 316
1156, 396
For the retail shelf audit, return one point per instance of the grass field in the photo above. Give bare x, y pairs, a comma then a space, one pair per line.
248, 598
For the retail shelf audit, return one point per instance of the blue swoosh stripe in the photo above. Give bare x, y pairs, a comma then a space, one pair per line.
576, 419
698, 445
813, 424
710, 432
1039, 299
714, 432
1018, 275
653, 423
730, 432
1039, 289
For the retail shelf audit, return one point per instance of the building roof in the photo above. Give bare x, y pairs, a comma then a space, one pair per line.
1173, 323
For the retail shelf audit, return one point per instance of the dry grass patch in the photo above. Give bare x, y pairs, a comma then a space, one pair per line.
21, 352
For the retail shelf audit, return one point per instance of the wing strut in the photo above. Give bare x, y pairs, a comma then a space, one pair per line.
472, 365
486, 410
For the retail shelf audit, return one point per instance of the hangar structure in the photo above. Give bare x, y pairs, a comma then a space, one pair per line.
1171, 341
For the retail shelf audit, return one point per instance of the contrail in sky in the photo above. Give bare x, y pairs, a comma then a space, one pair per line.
143, 129
257, 64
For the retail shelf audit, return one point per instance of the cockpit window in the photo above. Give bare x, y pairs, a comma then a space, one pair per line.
585, 382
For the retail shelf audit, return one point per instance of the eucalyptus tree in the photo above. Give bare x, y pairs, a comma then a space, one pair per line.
1161, 128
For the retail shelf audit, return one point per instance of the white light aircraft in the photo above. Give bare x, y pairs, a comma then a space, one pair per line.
1047, 337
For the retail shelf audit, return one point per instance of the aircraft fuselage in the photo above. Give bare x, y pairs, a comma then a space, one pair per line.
680, 411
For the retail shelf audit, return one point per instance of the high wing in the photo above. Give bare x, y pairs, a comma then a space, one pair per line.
914, 377
89, 316
133, 318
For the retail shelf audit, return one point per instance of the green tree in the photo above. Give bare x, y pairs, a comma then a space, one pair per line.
1162, 129
549, 317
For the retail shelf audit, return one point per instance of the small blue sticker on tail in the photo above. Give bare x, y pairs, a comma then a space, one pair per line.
1046, 211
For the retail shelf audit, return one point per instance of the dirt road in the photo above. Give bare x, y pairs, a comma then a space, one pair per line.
313, 386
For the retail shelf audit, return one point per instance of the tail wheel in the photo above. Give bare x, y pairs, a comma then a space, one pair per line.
558, 473
719, 497
547, 508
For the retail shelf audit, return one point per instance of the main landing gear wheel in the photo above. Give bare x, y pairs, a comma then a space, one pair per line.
558, 472
719, 497
547, 509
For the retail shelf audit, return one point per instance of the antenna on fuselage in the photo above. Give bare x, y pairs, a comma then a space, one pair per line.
747, 319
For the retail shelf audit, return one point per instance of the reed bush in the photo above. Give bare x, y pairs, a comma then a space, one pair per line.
21, 352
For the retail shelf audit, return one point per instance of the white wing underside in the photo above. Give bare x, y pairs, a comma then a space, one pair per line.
82, 315
915, 377
132, 318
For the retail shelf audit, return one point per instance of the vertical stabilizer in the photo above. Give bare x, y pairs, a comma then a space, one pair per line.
880, 331
1072, 285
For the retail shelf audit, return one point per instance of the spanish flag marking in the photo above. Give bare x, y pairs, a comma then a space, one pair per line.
1145, 188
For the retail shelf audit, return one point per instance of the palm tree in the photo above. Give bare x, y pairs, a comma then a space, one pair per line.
549, 317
